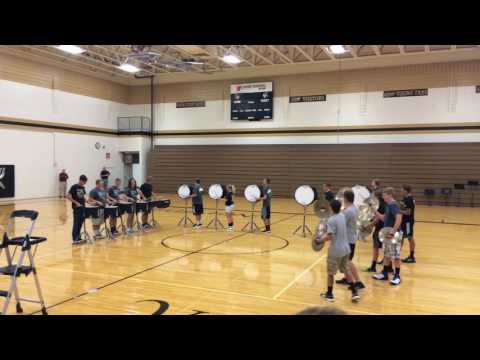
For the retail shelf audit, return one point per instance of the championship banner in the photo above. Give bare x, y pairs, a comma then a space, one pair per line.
7, 181
404, 93
252, 101
308, 98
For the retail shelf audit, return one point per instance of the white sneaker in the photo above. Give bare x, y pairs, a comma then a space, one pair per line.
395, 281
230, 229
380, 276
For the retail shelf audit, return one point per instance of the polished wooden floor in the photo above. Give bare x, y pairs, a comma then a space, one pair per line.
216, 272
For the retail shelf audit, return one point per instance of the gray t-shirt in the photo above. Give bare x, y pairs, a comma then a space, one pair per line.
337, 226
351, 217
268, 192
197, 190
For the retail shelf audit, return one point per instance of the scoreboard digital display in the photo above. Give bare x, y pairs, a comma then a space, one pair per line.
252, 102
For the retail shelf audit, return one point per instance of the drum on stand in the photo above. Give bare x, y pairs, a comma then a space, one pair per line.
90, 212
124, 207
216, 192
252, 193
184, 192
305, 195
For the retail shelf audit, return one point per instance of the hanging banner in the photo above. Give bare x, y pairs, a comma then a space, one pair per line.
308, 98
404, 93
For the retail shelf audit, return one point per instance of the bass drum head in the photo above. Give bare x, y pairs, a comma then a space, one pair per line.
215, 191
252, 193
184, 191
361, 194
305, 195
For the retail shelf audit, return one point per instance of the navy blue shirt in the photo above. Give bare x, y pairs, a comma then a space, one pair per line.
391, 211
115, 192
229, 198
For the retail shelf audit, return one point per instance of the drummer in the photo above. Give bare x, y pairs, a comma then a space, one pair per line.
267, 201
76, 195
229, 205
98, 197
197, 203
133, 194
114, 195
147, 191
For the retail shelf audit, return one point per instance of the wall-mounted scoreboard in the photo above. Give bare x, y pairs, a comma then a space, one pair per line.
252, 101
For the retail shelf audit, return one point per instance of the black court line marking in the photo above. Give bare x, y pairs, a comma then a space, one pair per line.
150, 268
286, 243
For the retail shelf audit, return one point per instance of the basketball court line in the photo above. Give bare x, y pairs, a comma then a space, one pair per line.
153, 267
298, 277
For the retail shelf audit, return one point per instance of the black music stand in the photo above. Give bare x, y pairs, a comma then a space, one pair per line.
459, 189
304, 227
446, 193
251, 224
215, 221
185, 217
429, 195
473, 185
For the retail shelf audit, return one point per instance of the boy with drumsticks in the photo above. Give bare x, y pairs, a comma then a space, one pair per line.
338, 252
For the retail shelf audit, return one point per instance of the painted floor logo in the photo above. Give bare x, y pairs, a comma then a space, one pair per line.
163, 307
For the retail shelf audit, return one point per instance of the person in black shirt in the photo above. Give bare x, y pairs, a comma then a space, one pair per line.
147, 191
377, 244
229, 206
408, 211
76, 195
329, 194
104, 174
133, 194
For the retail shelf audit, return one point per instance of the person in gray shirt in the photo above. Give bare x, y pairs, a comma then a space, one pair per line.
338, 251
197, 203
267, 200
351, 216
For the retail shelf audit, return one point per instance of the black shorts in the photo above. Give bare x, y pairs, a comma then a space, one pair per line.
377, 244
407, 229
266, 213
352, 252
197, 209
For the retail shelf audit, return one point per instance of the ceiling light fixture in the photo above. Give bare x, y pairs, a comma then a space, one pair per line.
71, 49
337, 49
231, 59
129, 68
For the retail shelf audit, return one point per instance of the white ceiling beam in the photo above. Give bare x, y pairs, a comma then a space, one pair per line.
427, 48
376, 49
280, 54
236, 53
401, 48
352, 50
255, 52
304, 53
327, 52
186, 53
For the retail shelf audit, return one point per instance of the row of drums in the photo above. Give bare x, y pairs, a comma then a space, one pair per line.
305, 195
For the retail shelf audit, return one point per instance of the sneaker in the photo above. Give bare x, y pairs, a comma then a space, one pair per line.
115, 233
230, 229
194, 226
78, 242
380, 276
409, 260
342, 282
395, 281
380, 262
370, 269
327, 296
267, 231
355, 297
359, 285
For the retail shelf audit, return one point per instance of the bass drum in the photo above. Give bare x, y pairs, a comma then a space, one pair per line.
305, 195
252, 193
184, 191
216, 191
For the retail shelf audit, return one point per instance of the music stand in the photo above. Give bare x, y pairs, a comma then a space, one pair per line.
473, 184
215, 221
251, 223
459, 188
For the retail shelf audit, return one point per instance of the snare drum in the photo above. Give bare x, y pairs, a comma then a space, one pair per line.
305, 195
252, 193
92, 211
125, 207
160, 204
142, 206
112, 211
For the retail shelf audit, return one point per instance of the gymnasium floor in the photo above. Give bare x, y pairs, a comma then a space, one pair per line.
216, 272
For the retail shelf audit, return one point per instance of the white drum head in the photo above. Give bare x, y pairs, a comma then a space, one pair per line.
361, 194
252, 193
305, 195
184, 191
215, 191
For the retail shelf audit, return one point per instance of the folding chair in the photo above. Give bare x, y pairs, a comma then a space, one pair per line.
15, 270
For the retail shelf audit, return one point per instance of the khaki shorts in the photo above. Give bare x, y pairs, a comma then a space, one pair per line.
392, 251
99, 220
229, 209
335, 264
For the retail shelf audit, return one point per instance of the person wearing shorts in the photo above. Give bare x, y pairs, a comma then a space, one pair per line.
229, 206
266, 204
351, 217
392, 218
408, 221
338, 251
197, 203
98, 197
378, 225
